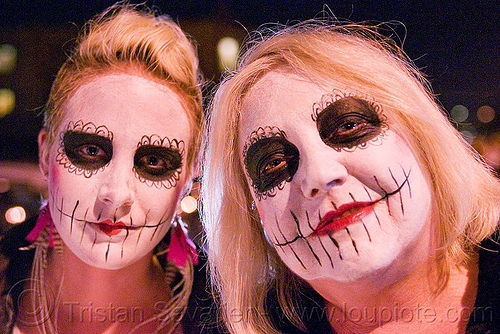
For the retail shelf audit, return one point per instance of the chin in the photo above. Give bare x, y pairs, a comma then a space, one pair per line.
101, 258
350, 271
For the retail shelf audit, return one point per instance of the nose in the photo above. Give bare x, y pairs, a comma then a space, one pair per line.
116, 191
320, 171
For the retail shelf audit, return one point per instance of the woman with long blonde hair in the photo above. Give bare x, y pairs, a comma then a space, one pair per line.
339, 198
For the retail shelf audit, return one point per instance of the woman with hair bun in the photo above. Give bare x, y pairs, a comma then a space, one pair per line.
108, 252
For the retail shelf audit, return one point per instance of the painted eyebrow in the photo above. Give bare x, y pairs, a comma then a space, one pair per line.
76, 138
261, 133
72, 140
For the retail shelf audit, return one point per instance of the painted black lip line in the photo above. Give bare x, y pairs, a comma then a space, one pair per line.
73, 218
387, 194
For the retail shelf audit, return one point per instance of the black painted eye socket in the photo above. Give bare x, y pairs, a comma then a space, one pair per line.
270, 161
348, 122
157, 163
87, 150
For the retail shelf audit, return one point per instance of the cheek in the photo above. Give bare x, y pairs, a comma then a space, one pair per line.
159, 199
54, 175
275, 215
264, 209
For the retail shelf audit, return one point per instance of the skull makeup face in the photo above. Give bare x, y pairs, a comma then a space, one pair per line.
116, 169
340, 195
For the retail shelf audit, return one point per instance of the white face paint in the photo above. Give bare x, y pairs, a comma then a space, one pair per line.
117, 168
340, 195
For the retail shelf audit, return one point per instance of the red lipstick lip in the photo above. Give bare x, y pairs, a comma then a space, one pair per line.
110, 228
334, 221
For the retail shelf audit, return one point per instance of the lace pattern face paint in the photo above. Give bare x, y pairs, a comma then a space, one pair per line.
116, 176
346, 121
358, 201
85, 148
158, 161
270, 161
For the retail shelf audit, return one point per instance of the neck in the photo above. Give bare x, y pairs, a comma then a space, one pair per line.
99, 298
367, 306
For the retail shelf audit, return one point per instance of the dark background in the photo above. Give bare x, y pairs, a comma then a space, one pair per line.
455, 43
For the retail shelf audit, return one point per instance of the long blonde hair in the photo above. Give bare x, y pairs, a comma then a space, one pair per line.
465, 194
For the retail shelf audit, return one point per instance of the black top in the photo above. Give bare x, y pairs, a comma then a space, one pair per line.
485, 318
200, 317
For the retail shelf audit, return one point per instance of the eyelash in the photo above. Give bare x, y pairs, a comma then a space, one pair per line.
77, 159
261, 133
266, 176
170, 154
69, 153
334, 132
336, 95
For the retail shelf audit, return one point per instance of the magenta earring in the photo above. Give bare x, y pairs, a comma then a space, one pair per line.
44, 218
181, 247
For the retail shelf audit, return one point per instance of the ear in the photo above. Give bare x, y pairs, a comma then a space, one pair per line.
43, 152
186, 190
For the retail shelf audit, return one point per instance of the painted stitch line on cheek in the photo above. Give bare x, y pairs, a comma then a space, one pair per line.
398, 189
84, 225
142, 229
61, 210
364, 225
400, 195
332, 239
73, 216
321, 243
287, 243
374, 211
107, 252
160, 223
95, 240
123, 243
336, 245
352, 241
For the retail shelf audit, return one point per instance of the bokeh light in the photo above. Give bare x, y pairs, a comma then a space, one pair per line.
7, 101
227, 50
469, 133
459, 113
8, 55
189, 204
15, 215
485, 114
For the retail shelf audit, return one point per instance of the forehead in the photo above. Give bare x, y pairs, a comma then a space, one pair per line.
281, 99
128, 105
